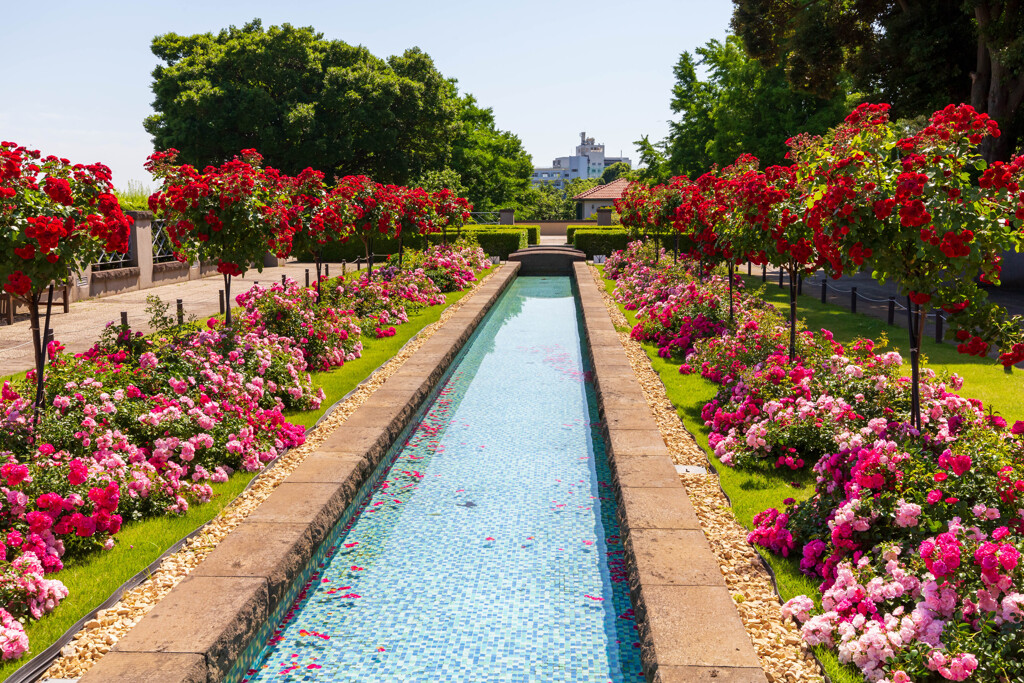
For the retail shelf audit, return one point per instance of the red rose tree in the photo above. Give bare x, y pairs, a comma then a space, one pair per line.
451, 210
55, 218
220, 213
375, 210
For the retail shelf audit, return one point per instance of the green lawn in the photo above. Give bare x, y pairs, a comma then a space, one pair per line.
750, 492
91, 581
983, 378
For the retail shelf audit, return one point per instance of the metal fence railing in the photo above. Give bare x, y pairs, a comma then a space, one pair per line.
163, 249
115, 260
892, 305
484, 217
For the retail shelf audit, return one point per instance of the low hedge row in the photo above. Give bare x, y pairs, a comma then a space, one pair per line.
571, 230
499, 243
601, 241
496, 241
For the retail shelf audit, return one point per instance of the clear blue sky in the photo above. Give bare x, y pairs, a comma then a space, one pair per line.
75, 76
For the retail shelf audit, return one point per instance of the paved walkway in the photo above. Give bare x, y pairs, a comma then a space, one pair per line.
79, 329
558, 240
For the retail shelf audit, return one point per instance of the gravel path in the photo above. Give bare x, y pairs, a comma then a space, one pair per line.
783, 655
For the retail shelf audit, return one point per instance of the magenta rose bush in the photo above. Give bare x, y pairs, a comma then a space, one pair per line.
915, 534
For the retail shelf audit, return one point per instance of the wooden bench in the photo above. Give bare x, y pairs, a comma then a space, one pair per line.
8, 304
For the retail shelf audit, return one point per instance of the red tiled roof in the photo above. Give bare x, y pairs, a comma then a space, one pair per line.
612, 191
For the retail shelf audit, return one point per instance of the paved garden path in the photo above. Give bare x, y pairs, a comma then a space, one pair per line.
79, 328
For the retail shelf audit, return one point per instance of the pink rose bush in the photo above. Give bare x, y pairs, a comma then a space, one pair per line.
142, 426
452, 267
915, 534
326, 334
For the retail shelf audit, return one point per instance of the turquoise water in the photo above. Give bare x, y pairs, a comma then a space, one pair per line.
487, 547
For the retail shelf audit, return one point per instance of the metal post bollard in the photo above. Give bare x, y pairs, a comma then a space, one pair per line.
307, 273
764, 273
938, 327
750, 268
780, 278
824, 289
892, 310
181, 312
853, 300
799, 284
124, 318
282, 279
221, 297
327, 269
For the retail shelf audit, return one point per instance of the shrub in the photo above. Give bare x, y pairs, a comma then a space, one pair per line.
571, 229
605, 242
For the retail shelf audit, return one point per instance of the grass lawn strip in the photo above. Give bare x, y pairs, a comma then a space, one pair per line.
110, 625
984, 378
675, 399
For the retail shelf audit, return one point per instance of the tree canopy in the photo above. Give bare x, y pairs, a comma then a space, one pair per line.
306, 101
741, 107
917, 55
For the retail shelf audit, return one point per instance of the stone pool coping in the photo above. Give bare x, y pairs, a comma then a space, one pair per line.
689, 628
198, 630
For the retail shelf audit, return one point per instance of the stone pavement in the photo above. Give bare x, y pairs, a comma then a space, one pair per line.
79, 329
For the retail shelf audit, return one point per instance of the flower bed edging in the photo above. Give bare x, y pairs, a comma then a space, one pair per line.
688, 624
312, 506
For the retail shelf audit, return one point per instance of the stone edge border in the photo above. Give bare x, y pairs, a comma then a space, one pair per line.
198, 630
689, 628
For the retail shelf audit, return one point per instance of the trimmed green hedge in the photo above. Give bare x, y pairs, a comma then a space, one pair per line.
499, 243
605, 242
571, 229
495, 240
532, 232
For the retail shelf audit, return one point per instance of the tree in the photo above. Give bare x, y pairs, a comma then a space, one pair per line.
616, 170
376, 210
491, 163
55, 218
742, 108
303, 101
918, 55
912, 204
224, 213
548, 203
653, 168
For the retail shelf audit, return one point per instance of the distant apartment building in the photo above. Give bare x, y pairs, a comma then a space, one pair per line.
589, 162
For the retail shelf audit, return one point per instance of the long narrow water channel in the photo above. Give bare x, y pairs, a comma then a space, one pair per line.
486, 548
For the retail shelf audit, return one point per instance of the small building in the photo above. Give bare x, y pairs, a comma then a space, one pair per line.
600, 197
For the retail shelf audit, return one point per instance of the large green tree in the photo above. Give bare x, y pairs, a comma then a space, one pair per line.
917, 55
493, 166
302, 101
740, 107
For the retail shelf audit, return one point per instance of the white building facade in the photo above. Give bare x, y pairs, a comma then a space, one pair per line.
588, 162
